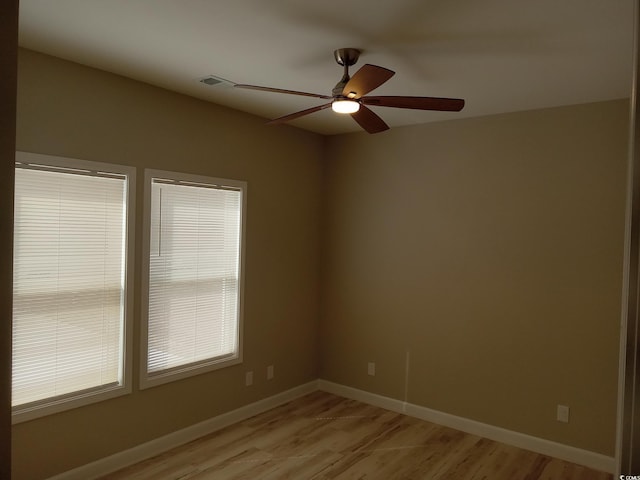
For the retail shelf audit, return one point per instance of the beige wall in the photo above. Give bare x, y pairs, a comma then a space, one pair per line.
491, 250
69, 110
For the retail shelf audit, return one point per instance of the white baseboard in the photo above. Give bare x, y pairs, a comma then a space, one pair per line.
136, 454
154, 447
587, 458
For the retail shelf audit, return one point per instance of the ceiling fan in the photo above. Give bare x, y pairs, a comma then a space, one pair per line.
348, 96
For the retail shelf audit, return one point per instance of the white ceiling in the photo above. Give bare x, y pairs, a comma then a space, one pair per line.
499, 55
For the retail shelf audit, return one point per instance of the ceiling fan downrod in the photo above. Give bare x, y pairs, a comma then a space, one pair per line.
345, 57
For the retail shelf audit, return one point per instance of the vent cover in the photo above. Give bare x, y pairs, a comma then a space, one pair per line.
211, 80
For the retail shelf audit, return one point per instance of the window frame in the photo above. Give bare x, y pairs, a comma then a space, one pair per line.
41, 408
147, 380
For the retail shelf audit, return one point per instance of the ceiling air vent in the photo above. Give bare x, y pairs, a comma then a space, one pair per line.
212, 80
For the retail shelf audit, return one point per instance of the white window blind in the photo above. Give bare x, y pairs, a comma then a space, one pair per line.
69, 283
194, 276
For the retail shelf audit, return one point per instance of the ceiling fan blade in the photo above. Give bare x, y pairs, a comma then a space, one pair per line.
279, 90
369, 120
368, 78
293, 116
417, 103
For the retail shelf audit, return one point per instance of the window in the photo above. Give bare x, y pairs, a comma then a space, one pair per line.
71, 270
192, 318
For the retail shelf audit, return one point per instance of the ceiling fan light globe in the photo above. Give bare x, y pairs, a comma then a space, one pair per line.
345, 106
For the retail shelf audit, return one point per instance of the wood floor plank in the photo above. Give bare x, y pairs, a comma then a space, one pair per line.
326, 437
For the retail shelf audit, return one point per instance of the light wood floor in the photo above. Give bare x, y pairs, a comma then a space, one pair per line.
322, 436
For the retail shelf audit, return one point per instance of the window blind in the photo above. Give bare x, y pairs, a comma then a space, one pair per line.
68, 282
195, 238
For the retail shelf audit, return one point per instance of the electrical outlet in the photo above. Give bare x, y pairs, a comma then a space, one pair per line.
248, 379
270, 372
371, 369
563, 414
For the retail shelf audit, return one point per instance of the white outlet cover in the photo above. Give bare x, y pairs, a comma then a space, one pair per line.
563, 414
371, 369
270, 372
248, 379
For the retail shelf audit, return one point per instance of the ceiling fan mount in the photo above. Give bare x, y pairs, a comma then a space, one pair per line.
349, 96
346, 57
